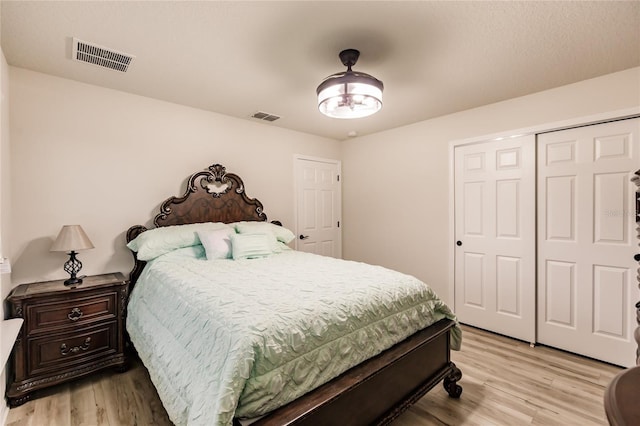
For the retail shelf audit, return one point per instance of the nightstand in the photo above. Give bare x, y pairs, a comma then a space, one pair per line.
67, 332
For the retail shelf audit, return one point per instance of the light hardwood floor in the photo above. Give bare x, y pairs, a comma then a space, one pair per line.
505, 383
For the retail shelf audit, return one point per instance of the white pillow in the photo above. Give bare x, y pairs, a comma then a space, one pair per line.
250, 246
282, 234
217, 244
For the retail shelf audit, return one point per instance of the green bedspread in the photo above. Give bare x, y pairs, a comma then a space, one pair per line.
240, 338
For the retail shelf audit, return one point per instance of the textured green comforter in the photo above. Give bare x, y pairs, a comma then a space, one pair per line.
229, 338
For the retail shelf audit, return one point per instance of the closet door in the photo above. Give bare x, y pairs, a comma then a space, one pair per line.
586, 238
495, 236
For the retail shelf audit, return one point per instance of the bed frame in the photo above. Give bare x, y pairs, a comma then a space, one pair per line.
374, 392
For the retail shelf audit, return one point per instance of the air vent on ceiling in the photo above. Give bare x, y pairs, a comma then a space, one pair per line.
265, 116
98, 55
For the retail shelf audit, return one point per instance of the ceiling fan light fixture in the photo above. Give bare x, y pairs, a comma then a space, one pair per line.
350, 94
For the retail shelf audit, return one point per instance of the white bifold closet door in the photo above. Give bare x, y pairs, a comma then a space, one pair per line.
586, 240
495, 236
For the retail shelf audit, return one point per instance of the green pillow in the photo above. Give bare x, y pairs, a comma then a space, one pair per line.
158, 241
250, 246
282, 234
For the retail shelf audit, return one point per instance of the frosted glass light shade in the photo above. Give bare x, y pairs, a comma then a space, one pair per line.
350, 95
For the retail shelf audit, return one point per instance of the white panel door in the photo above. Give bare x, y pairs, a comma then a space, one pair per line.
586, 273
318, 206
495, 236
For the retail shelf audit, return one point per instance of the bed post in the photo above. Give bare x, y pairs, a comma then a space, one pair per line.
138, 265
450, 382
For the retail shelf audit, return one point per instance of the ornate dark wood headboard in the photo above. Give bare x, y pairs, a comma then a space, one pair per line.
212, 195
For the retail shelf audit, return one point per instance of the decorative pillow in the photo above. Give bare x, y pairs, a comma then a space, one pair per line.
250, 246
191, 252
284, 247
273, 241
217, 244
282, 234
158, 241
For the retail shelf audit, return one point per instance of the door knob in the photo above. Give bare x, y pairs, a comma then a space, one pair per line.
303, 237
458, 243
637, 257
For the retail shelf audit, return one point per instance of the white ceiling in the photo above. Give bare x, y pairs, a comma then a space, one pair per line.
237, 57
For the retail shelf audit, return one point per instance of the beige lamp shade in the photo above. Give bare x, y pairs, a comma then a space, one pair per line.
71, 238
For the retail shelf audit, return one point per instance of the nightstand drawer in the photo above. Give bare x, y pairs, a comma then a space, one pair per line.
81, 310
68, 350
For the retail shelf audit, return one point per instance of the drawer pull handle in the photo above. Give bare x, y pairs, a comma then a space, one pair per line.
74, 350
75, 314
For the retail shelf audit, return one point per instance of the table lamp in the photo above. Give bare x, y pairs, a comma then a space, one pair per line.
71, 239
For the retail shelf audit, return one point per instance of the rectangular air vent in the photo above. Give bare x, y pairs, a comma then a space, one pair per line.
101, 56
265, 116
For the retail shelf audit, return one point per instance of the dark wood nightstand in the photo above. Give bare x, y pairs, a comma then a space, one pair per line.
67, 332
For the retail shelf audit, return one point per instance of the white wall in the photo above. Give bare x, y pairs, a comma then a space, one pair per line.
81, 154
5, 211
395, 190
5, 177
105, 159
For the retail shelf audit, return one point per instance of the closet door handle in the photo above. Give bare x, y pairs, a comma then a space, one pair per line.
303, 237
637, 257
458, 243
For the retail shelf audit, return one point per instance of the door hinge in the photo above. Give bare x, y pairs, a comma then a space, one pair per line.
338, 224
338, 177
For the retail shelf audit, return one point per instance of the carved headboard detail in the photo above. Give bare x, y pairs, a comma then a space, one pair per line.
212, 195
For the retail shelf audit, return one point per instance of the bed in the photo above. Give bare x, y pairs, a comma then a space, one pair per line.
239, 337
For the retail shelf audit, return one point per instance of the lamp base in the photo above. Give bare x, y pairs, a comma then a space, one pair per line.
72, 267
73, 281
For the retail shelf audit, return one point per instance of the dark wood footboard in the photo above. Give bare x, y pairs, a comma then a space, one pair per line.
379, 390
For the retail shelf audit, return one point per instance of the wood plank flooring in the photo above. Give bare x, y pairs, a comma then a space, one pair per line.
505, 383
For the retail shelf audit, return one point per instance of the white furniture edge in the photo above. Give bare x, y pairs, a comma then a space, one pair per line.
10, 329
4, 413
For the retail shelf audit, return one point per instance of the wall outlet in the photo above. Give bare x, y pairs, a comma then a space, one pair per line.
5, 265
